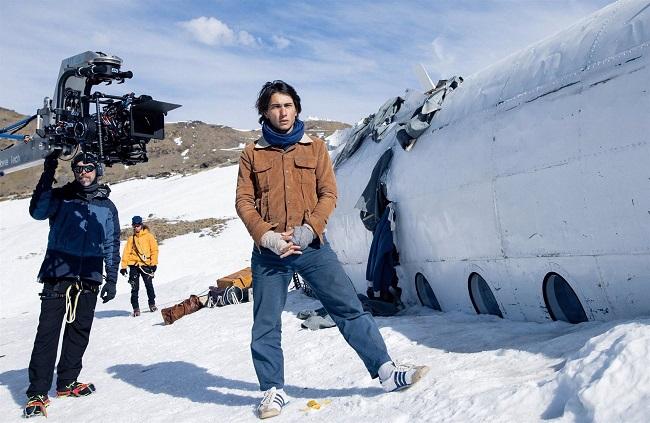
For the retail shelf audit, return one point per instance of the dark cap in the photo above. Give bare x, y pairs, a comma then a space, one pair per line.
136, 220
87, 158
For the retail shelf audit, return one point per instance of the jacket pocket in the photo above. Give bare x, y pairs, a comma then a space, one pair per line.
262, 171
307, 168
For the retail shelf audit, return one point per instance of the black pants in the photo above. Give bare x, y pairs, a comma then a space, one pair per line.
134, 280
75, 338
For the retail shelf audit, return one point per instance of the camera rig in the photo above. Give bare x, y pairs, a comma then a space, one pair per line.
115, 129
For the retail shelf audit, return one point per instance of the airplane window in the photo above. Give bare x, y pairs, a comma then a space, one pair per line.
561, 300
482, 296
425, 293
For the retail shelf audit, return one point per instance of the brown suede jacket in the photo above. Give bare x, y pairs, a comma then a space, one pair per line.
278, 189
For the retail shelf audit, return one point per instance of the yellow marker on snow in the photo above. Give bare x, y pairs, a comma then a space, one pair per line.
313, 404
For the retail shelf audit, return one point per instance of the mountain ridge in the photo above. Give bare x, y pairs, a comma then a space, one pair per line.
188, 147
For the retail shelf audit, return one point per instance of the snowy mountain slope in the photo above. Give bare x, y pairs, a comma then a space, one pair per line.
199, 369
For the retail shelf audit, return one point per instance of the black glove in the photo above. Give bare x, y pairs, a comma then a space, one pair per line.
123, 272
108, 291
51, 161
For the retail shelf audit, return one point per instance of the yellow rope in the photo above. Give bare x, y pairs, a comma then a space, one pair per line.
70, 308
145, 272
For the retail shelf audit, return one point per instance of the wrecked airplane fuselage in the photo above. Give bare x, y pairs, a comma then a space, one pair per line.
528, 194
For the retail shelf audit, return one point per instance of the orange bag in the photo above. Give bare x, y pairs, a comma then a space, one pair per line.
242, 279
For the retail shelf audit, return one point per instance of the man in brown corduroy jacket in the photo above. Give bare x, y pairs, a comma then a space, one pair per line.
286, 191
280, 189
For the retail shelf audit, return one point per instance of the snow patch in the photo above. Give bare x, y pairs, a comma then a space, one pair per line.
339, 136
318, 118
603, 380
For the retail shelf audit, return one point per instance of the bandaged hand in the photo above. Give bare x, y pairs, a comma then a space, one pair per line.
274, 242
302, 236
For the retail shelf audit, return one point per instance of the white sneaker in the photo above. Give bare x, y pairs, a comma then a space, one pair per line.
397, 377
272, 403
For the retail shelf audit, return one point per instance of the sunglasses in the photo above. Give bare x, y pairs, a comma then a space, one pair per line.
87, 168
137, 225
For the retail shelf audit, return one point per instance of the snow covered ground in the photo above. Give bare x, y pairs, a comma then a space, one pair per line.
199, 369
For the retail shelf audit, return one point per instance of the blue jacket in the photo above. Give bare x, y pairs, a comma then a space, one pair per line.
84, 231
380, 259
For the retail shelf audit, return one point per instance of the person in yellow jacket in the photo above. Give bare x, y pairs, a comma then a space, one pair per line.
141, 256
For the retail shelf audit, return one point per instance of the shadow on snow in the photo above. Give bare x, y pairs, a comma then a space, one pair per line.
107, 314
15, 381
186, 380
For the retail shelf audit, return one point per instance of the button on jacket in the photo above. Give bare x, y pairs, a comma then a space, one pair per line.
278, 189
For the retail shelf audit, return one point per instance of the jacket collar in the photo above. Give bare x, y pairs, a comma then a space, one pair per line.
73, 189
262, 143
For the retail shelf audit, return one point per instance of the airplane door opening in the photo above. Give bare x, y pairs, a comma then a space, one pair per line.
561, 300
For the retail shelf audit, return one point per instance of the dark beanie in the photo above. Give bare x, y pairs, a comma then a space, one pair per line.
87, 158
136, 220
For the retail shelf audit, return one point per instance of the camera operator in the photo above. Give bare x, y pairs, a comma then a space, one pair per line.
84, 236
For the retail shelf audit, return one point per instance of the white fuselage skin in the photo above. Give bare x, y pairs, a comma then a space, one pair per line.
539, 164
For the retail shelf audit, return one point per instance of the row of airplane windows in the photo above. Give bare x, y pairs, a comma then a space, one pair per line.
561, 301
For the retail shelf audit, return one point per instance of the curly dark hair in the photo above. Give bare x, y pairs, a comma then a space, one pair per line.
270, 88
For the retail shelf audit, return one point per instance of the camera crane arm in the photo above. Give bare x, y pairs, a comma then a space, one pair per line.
27, 152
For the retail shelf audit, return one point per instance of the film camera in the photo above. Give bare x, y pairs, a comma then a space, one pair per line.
115, 129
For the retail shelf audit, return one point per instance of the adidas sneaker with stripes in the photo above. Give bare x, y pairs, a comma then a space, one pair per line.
272, 403
401, 376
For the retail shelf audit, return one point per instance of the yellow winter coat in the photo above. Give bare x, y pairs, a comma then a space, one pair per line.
141, 250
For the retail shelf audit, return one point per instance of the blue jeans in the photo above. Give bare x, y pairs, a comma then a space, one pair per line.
320, 267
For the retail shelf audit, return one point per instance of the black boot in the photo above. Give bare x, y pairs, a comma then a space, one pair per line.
76, 389
36, 406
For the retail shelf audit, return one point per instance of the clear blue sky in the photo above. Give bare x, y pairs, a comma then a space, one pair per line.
345, 58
